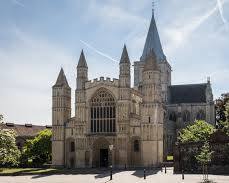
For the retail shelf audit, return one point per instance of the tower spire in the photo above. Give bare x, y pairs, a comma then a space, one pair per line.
153, 40
82, 61
124, 57
61, 80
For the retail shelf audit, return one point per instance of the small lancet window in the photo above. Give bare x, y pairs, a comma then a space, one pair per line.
136, 146
72, 147
186, 116
200, 115
172, 116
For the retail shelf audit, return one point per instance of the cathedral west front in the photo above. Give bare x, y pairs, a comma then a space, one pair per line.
120, 125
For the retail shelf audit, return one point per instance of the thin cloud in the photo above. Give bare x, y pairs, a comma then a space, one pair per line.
16, 2
99, 52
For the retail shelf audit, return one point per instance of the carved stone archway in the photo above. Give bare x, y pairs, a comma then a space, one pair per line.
101, 155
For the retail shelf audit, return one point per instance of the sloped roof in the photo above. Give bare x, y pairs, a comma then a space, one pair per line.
61, 80
192, 93
26, 130
153, 42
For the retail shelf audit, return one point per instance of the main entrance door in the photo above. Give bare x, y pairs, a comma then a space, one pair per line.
103, 157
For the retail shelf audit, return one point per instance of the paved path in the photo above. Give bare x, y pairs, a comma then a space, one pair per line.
118, 177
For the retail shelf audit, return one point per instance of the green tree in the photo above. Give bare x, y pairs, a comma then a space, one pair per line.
9, 153
225, 124
222, 112
199, 131
204, 158
38, 150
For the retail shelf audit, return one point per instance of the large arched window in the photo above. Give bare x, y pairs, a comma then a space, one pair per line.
103, 112
186, 116
200, 115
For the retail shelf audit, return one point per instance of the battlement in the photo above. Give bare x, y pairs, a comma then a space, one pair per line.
102, 80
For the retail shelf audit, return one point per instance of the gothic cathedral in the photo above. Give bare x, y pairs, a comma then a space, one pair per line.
119, 125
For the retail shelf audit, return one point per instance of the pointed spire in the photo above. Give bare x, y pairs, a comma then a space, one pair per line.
125, 56
153, 42
61, 80
151, 62
82, 61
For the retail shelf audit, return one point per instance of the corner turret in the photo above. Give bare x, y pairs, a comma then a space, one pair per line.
82, 72
61, 113
124, 69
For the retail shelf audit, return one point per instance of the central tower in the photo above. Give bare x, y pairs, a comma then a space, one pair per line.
153, 43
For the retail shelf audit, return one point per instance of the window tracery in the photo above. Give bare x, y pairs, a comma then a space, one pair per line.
103, 112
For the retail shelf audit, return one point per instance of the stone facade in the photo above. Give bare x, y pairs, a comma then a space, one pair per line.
115, 124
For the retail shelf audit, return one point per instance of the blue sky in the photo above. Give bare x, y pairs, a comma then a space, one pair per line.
38, 37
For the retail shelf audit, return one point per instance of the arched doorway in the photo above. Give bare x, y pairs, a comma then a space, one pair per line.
135, 152
101, 153
70, 153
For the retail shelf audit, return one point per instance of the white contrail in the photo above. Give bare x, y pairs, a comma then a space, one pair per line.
182, 34
220, 7
99, 52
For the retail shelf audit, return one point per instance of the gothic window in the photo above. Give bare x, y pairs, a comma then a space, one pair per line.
149, 119
136, 146
200, 115
186, 116
172, 117
72, 147
103, 112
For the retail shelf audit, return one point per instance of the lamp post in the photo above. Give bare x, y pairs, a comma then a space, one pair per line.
111, 149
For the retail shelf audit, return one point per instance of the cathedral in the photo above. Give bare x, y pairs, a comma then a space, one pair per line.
120, 125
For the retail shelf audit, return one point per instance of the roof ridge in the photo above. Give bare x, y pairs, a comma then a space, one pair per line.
189, 84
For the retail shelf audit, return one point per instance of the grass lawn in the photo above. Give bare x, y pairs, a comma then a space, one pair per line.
46, 171
30, 171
